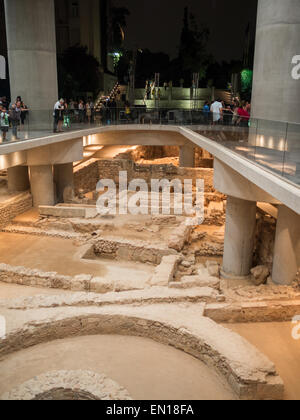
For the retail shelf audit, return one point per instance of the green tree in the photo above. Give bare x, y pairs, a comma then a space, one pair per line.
246, 82
78, 72
192, 51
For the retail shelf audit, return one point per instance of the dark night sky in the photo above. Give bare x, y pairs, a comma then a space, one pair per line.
157, 24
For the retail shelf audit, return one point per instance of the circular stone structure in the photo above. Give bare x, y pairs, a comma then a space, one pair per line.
68, 385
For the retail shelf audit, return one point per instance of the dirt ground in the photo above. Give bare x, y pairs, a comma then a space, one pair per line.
61, 256
148, 370
14, 291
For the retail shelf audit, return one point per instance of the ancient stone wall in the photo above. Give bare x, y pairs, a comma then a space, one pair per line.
87, 177
154, 152
265, 240
68, 385
13, 207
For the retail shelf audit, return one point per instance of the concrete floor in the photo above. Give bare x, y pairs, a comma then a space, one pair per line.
275, 341
26, 132
148, 370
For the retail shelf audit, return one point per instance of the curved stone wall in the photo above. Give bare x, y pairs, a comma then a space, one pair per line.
250, 374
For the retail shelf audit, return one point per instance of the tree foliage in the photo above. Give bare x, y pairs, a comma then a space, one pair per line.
192, 52
78, 72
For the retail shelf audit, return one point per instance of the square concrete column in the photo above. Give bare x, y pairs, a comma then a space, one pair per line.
286, 260
64, 181
239, 238
187, 156
42, 186
18, 178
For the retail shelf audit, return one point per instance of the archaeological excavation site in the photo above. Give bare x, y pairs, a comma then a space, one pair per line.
143, 305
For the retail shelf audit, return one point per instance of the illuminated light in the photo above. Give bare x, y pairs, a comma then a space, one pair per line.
87, 154
262, 141
2, 162
281, 145
257, 155
94, 148
242, 149
246, 79
271, 143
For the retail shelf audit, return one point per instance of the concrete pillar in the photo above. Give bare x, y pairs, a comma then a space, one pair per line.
287, 247
297, 173
42, 187
276, 93
64, 181
239, 237
18, 179
187, 156
31, 43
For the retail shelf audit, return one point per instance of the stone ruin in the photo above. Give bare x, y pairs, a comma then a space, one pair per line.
152, 260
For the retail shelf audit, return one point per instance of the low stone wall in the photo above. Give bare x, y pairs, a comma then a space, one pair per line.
250, 374
136, 251
165, 272
87, 283
13, 207
35, 278
232, 313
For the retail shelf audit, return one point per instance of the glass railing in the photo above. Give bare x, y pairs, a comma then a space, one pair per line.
273, 145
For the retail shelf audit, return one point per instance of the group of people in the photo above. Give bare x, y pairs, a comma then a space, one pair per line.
65, 112
234, 113
79, 110
154, 92
12, 116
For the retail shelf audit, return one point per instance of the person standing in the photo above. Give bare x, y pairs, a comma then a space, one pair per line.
217, 111
15, 118
88, 111
4, 122
128, 115
81, 110
244, 115
92, 107
206, 112
58, 116
24, 111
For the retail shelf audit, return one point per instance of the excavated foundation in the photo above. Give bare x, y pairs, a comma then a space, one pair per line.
147, 276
